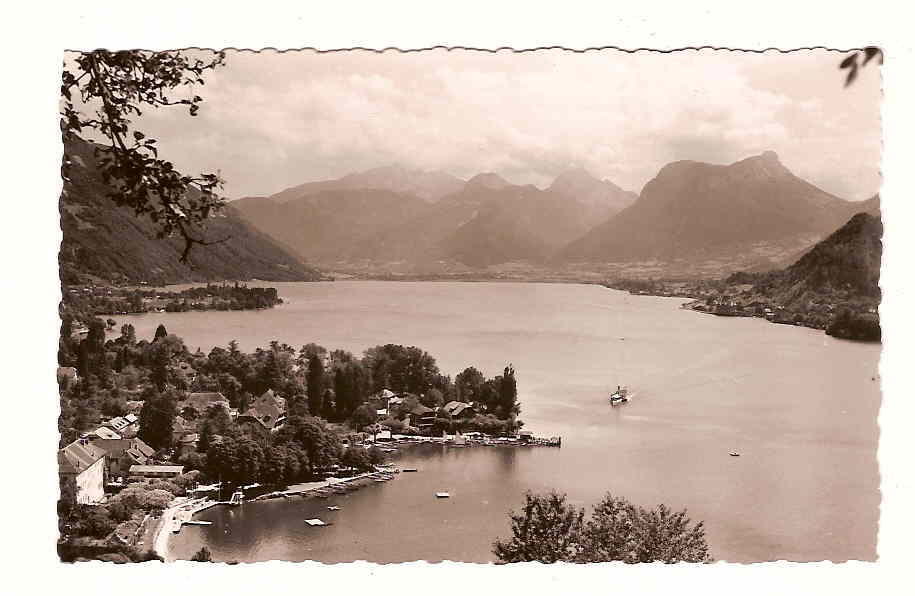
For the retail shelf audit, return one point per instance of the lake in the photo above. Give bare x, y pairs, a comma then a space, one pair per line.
801, 408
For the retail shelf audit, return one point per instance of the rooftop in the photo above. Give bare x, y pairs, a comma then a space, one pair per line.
78, 456
161, 469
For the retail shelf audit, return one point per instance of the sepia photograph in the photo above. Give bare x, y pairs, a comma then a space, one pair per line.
481, 306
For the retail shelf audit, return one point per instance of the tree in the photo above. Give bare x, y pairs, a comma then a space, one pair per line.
401, 368
468, 384
351, 386
432, 398
357, 459
320, 444
621, 531
156, 419
160, 332
364, 415
547, 530
315, 384
102, 91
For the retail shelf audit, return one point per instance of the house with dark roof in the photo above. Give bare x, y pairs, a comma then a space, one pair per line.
267, 412
202, 402
81, 466
123, 453
458, 409
421, 417
103, 432
163, 471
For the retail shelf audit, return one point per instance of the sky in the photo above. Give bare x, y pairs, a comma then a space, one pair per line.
272, 120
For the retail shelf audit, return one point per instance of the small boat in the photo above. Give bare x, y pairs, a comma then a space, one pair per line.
315, 522
237, 498
410, 470
442, 495
734, 454
620, 396
333, 508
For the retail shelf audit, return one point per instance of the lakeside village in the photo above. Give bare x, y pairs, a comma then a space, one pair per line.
846, 316
152, 433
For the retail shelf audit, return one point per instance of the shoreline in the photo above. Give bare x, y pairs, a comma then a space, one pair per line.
312, 490
160, 537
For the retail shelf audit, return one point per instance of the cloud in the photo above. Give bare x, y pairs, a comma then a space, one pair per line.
272, 120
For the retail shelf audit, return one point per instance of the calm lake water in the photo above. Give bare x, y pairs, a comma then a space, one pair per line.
799, 406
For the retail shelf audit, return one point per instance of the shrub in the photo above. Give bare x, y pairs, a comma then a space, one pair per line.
92, 521
119, 511
166, 485
158, 499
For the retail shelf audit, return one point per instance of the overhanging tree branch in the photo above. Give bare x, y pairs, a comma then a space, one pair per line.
112, 87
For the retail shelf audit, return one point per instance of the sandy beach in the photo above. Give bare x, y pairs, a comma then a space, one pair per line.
163, 530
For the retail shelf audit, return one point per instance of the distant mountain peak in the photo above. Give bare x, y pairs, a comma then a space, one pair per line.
766, 164
579, 184
576, 175
489, 180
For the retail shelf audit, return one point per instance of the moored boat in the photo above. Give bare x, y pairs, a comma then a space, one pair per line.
620, 396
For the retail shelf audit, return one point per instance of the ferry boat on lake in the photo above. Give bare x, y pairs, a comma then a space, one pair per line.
620, 396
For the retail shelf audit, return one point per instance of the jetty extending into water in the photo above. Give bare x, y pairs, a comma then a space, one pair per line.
333, 486
471, 439
183, 514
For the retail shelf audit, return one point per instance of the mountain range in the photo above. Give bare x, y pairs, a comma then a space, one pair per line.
692, 219
486, 221
103, 242
754, 214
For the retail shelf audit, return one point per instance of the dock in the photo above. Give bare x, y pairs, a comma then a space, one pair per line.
185, 513
334, 486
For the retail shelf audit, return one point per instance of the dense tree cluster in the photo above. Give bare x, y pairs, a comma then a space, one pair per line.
107, 300
548, 529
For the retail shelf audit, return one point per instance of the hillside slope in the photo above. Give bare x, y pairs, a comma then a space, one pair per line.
329, 225
843, 267
104, 242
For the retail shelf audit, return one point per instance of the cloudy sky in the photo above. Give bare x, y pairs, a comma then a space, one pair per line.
272, 120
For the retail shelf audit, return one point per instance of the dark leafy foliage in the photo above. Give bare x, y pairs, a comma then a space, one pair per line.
850, 62
621, 531
548, 529
850, 325
102, 92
